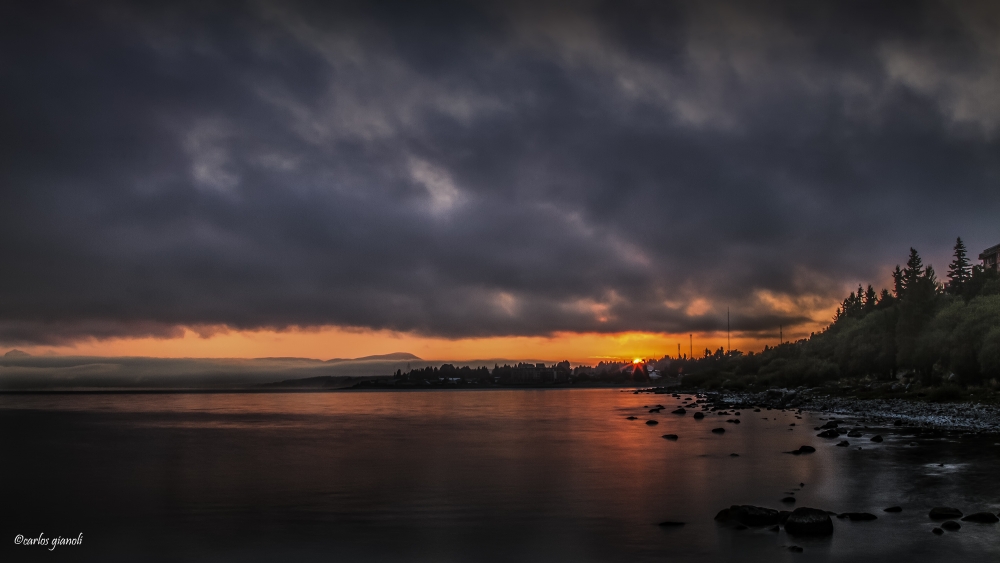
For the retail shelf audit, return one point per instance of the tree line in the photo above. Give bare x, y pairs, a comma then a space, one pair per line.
927, 330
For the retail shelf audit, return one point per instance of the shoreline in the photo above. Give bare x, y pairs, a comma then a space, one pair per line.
966, 417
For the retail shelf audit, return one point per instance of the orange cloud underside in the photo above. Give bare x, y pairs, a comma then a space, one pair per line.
337, 342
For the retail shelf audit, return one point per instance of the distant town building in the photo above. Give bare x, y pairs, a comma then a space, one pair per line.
533, 374
990, 257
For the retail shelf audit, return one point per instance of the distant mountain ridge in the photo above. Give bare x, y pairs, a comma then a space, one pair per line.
20, 371
395, 356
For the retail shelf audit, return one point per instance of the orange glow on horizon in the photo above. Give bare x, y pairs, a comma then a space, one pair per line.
339, 342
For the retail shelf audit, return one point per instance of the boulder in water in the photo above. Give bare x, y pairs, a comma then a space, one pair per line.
652, 422
672, 437
982, 518
876, 438
754, 516
944, 513
857, 516
893, 509
678, 411
829, 434
809, 522
699, 415
718, 430
951, 525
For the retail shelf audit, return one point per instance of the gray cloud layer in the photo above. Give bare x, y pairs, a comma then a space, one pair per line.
482, 169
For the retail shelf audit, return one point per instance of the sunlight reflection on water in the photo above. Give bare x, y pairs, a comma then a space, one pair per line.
500, 475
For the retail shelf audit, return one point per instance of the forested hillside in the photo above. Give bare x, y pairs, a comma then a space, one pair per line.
924, 330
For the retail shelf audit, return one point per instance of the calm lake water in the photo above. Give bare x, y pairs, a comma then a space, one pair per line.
439, 476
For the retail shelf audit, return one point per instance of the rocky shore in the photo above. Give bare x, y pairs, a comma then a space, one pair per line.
965, 417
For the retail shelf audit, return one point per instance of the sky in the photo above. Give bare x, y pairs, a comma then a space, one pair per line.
460, 180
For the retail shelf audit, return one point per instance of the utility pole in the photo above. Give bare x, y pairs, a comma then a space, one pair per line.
691, 336
729, 345
678, 350
781, 339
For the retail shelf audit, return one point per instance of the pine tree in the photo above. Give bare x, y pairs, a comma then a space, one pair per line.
871, 299
913, 271
959, 271
884, 298
897, 282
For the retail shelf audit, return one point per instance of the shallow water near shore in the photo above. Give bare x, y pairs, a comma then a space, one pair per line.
499, 475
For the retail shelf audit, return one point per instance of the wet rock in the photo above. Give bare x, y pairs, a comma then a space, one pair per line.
937, 531
672, 437
876, 438
982, 518
652, 422
671, 524
951, 525
843, 444
699, 415
756, 410
734, 455
802, 450
854, 434
829, 434
788, 500
893, 509
809, 522
944, 513
654, 410
795, 549
831, 424
718, 430
857, 516
678, 411
783, 516
631, 418
755, 516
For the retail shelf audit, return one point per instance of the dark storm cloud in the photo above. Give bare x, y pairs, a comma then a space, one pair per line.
482, 169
